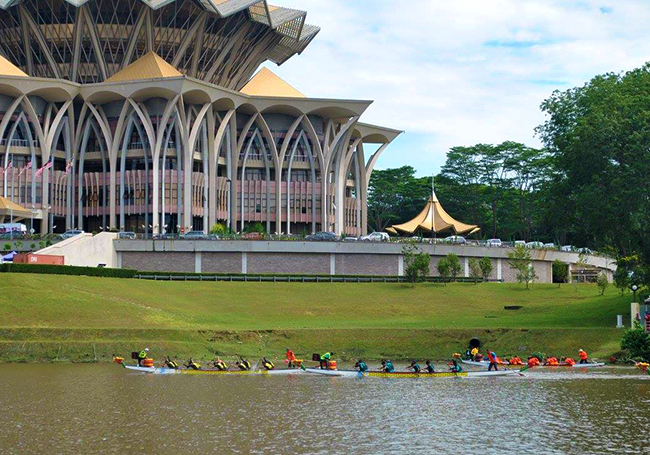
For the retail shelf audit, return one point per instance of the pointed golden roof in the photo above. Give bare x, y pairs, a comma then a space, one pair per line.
11, 209
9, 69
433, 217
267, 83
149, 66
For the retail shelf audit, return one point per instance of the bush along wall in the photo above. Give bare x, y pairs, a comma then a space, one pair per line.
67, 270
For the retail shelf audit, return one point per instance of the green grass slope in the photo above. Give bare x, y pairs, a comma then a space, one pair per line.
47, 317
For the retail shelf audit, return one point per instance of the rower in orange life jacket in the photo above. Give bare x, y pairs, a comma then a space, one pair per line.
552, 362
492, 357
533, 362
515, 361
584, 357
569, 361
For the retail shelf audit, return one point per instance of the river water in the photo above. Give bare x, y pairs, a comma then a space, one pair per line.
107, 409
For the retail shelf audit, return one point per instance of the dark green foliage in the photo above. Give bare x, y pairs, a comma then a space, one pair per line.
486, 267
637, 341
254, 227
454, 265
520, 260
560, 272
475, 270
416, 262
67, 270
444, 269
602, 282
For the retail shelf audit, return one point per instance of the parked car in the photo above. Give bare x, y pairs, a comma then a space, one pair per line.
535, 245
194, 235
322, 237
550, 246
566, 248
375, 237
520, 243
456, 239
585, 251
127, 235
494, 242
71, 233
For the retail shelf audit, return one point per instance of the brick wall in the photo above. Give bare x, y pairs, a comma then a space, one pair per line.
221, 262
310, 264
366, 264
158, 261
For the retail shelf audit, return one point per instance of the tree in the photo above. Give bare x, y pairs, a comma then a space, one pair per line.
629, 271
454, 265
602, 283
444, 269
417, 263
7, 246
475, 269
520, 260
637, 341
486, 267
560, 272
254, 227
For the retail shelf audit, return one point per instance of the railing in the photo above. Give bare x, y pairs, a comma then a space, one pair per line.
19, 143
296, 279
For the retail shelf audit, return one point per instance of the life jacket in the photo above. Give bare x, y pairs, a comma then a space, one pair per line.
552, 361
583, 355
268, 365
455, 367
220, 365
193, 365
362, 367
142, 354
291, 356
515, 361
171, 364
492, 357
416, 368
389, 367
244, 365
569, 361
474, 351
533, 362
326, 356
430, 369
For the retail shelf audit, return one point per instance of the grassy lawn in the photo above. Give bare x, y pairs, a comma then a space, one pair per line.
41, 312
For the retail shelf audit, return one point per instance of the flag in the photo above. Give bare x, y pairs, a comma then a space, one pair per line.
9, 165
29, 165
69, 166
44, 168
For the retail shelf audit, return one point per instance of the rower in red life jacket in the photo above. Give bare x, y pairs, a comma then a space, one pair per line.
515, 361
492, 357
584, 357
291, 358
552, 362
569, 361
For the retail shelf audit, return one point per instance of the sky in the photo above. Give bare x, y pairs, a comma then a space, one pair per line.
461, 72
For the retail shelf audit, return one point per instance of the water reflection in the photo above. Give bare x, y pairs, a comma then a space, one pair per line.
102, 408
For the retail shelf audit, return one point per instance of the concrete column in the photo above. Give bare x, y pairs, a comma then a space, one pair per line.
466, 267
332, 264
119, 259
244, 260
197, 262
400, 265
499, 269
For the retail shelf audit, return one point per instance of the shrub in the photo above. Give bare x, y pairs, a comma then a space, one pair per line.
219, 229
454, 265
475, 270
417, 263
486, 267
32, 246
7, 246
67, 270
637, 341
602, 282
521, 261
444, 269
254, 227
560, 272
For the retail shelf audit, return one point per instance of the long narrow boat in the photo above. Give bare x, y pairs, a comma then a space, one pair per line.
163, 370
406, 374
484, 363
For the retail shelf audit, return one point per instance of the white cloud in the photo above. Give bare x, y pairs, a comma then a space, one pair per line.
462, 72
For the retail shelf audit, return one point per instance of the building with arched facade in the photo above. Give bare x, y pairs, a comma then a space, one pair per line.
151, 116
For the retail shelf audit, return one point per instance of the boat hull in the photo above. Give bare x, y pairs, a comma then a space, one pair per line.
379, 374
162, 370
565, 365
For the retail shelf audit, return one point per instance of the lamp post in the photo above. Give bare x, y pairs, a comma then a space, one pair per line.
634, 289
